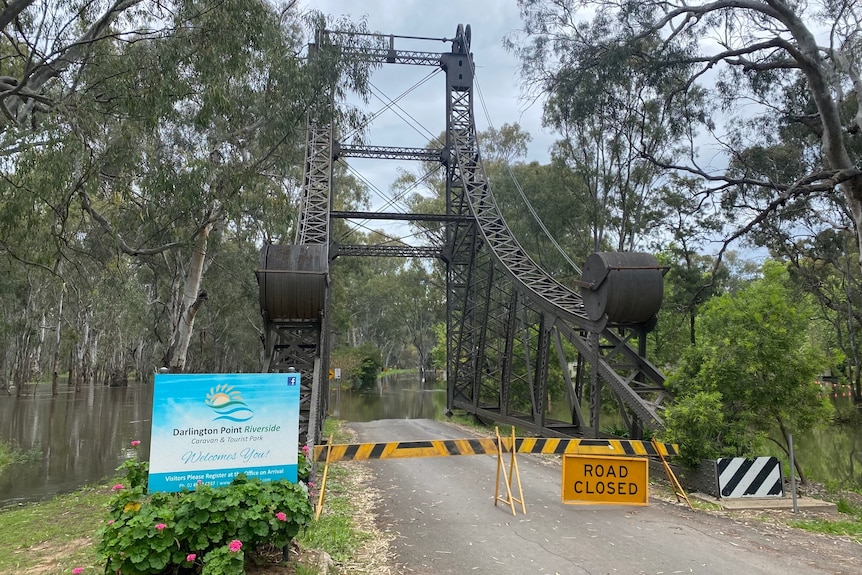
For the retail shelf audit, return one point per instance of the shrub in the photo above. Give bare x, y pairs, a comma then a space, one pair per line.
206, 531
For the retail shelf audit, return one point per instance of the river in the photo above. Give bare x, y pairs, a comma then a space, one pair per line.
81, 438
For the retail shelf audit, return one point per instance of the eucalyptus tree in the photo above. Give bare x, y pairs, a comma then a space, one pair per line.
157, 132
729, 66
611, 109
420, 304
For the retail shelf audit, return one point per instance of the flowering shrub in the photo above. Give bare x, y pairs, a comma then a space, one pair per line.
303, 464
205, 531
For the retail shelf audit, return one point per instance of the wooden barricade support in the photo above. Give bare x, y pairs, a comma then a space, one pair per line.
671, 476
319, 509
514, 473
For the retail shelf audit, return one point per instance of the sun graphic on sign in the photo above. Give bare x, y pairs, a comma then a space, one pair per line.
228, 403
222, 394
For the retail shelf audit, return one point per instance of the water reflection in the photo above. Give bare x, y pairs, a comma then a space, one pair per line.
831, 454
397, 396
82, 437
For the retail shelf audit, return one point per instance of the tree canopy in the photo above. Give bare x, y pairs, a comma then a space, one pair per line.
728, 81
754, 367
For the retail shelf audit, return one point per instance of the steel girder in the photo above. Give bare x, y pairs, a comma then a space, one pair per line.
500, 370
297, 346
424, 252
390, 153
513, 330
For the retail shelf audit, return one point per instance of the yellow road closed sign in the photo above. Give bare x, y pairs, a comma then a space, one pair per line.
605, 480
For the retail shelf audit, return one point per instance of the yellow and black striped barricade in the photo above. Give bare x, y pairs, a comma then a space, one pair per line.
488, 446
623, 448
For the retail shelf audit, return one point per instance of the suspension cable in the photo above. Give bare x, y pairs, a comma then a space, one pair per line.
518, 184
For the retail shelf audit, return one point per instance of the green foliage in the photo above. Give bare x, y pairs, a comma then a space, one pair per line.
201, 531
303, 464
6, 454
225, 561
10, 455
365, 364
697, 423
753, 369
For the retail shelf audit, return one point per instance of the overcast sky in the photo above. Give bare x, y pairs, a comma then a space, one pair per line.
496, 69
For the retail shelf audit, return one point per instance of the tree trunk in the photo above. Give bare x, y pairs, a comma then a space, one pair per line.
55, 359
83, 348
190, 302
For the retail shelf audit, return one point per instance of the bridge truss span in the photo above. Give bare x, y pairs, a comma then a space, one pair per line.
514, 333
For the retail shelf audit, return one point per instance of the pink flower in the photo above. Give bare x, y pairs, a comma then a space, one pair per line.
160, 526
117, 487
191, 557
136, 443
310, 484
235, 545
110, 521
77, 570
305, 449
281, 516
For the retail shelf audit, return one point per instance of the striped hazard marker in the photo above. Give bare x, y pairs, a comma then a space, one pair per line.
488, 446
757, 477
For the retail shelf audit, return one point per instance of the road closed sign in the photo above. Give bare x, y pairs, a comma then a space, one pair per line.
605, 480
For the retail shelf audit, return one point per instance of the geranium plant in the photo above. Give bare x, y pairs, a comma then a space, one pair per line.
208, 531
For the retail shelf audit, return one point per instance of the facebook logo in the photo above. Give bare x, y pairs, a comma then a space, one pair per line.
291, 380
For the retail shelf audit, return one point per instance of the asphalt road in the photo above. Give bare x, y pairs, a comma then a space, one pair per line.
442, 513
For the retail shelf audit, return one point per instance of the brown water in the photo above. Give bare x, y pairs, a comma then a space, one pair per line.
82, 437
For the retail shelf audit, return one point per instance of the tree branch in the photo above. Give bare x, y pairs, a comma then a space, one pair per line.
106, 225
11, 11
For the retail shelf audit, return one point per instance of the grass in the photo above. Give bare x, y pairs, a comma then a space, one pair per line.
852, 529
334, 531
849, 522
53, 537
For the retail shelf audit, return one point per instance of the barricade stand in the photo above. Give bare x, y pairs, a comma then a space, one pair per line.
507, 478
674, 482
323, 481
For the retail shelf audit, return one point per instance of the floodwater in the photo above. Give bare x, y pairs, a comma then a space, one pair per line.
397, 396
81, 438
78, 438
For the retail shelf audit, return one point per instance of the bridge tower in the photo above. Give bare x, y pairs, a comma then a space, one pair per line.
507, 319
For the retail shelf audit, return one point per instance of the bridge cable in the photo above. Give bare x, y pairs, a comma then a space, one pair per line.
518, 184
392, 103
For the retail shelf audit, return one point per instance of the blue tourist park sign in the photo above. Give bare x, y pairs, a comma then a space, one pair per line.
208, 428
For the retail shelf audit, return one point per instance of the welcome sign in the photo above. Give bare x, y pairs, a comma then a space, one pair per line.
208, 428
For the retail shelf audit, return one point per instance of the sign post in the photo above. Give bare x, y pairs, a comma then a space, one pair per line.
605, 480
208, 428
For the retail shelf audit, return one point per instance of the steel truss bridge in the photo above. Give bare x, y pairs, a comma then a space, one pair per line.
507, 319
